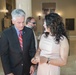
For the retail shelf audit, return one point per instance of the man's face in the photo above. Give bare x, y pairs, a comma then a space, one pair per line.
19, 22
32, 23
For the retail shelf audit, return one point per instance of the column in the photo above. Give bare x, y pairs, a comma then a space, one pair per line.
26, 5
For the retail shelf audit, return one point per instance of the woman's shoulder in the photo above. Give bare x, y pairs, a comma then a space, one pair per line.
43, 35
63, 38
64, 41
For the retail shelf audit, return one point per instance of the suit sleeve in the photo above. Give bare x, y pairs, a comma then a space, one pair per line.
32, 50
5, 54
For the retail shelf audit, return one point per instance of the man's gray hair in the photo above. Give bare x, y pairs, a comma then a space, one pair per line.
17, 13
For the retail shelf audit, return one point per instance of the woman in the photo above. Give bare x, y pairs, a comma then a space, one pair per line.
53, 47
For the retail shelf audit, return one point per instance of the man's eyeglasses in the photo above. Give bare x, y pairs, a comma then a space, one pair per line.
33, 22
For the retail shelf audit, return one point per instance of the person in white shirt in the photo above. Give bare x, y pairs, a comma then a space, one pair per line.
31, 23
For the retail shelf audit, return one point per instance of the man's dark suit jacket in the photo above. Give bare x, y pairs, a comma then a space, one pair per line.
14, 60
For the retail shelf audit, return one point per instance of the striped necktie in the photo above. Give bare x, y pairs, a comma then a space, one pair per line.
20, 39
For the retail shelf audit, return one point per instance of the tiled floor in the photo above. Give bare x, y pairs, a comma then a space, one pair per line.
70, 68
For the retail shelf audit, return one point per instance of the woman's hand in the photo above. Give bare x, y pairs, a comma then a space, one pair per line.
40, 59
35, 60
43, 59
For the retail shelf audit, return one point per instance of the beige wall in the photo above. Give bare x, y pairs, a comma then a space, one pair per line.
65, 7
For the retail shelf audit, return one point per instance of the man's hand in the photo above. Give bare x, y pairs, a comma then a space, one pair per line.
32, 69
10, 74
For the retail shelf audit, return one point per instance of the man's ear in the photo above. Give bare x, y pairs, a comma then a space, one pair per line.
13, 21
28, 22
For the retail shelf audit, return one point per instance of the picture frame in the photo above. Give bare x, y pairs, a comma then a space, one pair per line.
70, 24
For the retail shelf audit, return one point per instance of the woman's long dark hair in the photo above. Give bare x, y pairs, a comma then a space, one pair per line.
54, 22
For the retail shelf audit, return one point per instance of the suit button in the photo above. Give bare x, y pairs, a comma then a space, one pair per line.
21, 64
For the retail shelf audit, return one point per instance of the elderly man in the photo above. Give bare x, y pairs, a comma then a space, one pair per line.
17, 46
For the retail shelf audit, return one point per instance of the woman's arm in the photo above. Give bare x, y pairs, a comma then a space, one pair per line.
64, 50
38, 52
36, 58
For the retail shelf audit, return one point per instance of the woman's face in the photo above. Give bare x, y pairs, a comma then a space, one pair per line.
44, 25
46, 29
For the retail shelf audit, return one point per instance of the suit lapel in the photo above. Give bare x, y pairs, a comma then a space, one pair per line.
24, 37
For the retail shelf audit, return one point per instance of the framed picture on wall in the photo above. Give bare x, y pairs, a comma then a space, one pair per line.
70, 23
48, 7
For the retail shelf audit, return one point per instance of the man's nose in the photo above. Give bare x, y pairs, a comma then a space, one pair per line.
22, 24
